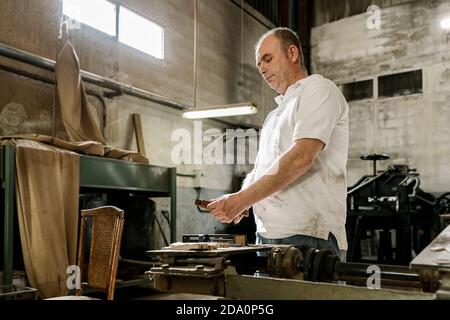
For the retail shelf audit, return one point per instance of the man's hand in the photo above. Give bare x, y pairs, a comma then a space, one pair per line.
229, 208
241, 216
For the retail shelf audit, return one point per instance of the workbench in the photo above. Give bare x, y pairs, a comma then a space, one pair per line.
96, 173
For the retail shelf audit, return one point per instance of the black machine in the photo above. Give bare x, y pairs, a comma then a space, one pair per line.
390, 216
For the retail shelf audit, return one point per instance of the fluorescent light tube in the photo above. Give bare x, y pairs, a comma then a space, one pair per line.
221, 111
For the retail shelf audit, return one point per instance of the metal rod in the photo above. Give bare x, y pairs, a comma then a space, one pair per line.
162, 230
173, 204
388, 273
242, 43
195, 53
26, 57
384, 282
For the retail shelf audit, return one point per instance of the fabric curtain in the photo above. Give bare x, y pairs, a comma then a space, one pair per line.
47, 192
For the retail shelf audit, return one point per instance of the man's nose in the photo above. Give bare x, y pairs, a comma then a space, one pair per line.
262, 70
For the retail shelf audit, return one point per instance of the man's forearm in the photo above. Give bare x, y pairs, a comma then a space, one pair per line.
270, 183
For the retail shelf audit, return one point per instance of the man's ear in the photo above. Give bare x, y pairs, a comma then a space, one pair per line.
294, 54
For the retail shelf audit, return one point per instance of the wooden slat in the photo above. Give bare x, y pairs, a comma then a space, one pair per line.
139, 133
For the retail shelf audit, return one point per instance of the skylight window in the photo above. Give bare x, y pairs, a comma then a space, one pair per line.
98, 14
141, 33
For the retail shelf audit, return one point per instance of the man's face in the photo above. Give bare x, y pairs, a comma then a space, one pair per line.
273, 64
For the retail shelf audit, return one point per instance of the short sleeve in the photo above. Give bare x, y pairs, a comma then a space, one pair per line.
317, 115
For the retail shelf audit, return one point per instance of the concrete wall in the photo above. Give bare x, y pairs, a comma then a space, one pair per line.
326, 11
412, 129
223, 77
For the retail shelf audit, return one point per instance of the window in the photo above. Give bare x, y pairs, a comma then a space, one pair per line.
134, 30
99, 14
400, 84
358, 90
141, 33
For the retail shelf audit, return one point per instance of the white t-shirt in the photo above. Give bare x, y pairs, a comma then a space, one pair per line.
315, 204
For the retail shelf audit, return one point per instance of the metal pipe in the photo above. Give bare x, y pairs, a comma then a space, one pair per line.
388, 273
122, 88
384, 282
26, 57
47, 64
26, 74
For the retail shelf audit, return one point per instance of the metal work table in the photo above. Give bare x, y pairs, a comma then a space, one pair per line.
436, 256
97, 173
433, 264
219, 252
218, 273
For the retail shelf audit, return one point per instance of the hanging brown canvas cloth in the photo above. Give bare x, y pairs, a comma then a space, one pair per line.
47, 191
75, 112
84, 147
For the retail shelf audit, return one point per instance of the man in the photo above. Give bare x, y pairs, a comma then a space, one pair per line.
298, 185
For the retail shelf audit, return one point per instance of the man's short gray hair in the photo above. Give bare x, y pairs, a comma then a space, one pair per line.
287, 38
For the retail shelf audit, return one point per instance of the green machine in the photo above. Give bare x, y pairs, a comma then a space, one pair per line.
96, 173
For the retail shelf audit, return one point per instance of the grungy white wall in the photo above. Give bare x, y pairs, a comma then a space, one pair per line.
413, 129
